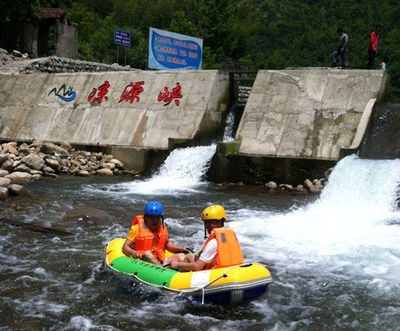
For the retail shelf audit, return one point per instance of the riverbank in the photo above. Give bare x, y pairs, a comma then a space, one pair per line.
21, 162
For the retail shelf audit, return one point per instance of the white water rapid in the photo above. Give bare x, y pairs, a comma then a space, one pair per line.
353, 229
183, 171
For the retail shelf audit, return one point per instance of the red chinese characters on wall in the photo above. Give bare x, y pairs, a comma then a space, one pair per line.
131, 92
101, 93
167, 96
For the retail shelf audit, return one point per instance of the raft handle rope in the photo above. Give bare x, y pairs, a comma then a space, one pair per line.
202, 288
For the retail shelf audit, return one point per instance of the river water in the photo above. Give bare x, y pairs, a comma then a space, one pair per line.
334, 259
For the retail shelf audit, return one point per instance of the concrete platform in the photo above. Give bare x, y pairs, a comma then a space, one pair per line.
309, 114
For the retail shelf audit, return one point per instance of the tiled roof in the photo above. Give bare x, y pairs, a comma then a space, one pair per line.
47, 13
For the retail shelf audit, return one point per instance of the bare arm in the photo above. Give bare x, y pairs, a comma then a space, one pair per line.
127, 248
175, 248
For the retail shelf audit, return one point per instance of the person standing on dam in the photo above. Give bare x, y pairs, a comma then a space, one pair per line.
341, 49
373, 46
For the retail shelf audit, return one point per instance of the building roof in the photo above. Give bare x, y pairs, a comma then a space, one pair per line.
48, 13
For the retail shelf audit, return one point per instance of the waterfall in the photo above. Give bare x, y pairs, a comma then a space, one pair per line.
182, 171
354, 226
232, 121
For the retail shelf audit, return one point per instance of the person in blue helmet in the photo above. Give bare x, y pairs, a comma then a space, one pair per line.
148, 238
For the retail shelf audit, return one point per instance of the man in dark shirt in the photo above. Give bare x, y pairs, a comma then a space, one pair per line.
341, 49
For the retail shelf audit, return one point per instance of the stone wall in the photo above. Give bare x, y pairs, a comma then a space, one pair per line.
308, 114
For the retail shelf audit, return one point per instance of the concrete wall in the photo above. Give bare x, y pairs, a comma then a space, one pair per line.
307, 113
31, 107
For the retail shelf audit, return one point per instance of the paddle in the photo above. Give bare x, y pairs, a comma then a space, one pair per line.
36, 228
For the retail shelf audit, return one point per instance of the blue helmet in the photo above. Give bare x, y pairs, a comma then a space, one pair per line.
153, 208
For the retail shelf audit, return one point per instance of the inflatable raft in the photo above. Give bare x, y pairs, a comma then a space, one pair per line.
221, 285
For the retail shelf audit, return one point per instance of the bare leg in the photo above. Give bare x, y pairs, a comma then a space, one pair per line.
148, 256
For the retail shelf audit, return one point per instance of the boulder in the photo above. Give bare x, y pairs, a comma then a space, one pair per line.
48, 170
3, 193
7, 165
286, 187
19, 176
4, 182
316, 188
117, 163
308, 184
104, 172
22, 168
271, 185
300, 188
67, 146
9, 148
3, 173
109, 165
50, 148
84, 173
87, 215
15, 189
54, 164
3, 157
33, 161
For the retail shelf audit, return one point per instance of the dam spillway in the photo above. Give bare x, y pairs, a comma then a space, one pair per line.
294, 114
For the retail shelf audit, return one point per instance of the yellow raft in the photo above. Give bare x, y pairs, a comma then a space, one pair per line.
222, 285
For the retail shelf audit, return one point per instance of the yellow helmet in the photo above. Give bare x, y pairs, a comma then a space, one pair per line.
214, 212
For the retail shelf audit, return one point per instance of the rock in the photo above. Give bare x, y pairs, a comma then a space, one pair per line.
287, 187
15, 189
37, 144
50, 148
271, 186
54, 164
301, 189
3, 173
36, 172
87, 215
3, 193
16, 53
316, 188
47, 170
19, 176
3, 157
308, 184
33, 161
7, 165
67, 146
117, 163
4, 181
9, 148
328, 172
84, 173
24, 149
23, 168
104, 172
109, 165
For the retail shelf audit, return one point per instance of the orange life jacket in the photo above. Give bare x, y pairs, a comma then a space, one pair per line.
228, 249
145, 238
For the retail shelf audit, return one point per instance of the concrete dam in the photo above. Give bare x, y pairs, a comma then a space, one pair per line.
291, 116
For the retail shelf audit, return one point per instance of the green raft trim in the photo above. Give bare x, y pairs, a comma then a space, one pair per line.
145, 271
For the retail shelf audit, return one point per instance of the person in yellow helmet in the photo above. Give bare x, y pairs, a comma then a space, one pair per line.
221, 249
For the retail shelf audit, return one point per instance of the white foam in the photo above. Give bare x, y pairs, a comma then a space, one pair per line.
352, 228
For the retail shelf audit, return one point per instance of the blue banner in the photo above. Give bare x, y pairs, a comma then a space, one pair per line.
122, 37
173, 51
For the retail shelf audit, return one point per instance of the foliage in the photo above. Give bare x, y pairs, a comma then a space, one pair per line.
257, 34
